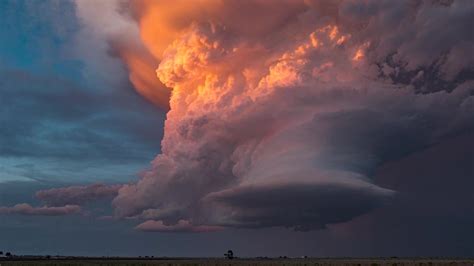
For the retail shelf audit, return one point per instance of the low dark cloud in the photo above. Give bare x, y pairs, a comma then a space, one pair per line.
303, 207
181, 227
432, 212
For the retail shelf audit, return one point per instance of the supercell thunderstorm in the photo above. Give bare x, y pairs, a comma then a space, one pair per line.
278, 112
280, 117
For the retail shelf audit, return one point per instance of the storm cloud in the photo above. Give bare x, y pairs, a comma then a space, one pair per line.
343, 121
265, 130
269, 130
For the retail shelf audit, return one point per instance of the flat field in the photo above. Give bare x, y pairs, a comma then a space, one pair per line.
241, 262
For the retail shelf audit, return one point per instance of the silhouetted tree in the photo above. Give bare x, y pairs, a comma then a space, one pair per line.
8, 254
229, 255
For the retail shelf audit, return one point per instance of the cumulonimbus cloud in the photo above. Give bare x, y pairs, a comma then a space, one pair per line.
27, 209
280, 113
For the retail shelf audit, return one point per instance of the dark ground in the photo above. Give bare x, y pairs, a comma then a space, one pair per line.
238, 262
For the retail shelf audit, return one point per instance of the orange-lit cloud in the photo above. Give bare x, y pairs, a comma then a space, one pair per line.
280, 112
111, 26
143, 77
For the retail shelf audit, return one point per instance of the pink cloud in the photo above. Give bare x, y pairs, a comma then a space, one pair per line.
77, 194
27, 209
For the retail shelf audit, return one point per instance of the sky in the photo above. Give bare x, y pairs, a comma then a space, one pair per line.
272, 128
